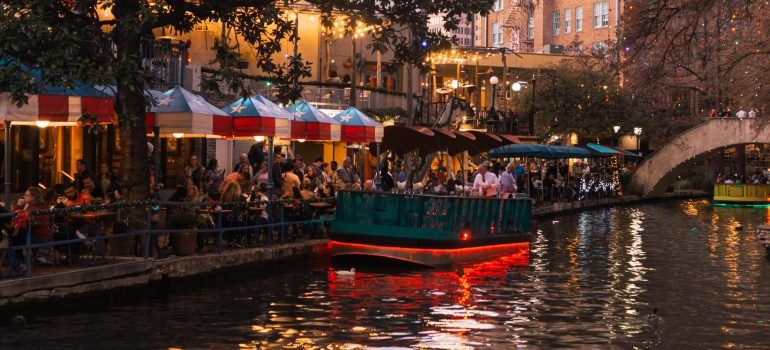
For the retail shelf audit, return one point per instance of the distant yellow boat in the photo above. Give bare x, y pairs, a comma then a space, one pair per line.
742, 194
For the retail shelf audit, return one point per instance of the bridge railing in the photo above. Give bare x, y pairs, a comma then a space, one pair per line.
705, 121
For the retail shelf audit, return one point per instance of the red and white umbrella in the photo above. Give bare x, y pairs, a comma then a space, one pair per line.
317, 125
358, 127
182, 113
258, 116
59, 107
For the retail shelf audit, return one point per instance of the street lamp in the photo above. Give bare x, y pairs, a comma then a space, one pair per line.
492, 116
637, 132
516, 87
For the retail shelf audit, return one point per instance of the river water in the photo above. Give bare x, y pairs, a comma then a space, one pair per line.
591, 281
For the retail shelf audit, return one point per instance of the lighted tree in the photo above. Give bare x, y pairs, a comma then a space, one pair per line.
692, 56
68, 40
582, 95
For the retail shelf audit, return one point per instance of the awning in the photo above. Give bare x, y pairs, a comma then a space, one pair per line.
486, 141
258, 116
539, 151
358, 127
183, 113
311, 124
403, 139
463, 142
441, 141
601, 151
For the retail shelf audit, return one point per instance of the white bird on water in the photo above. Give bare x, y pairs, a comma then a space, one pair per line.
352, 272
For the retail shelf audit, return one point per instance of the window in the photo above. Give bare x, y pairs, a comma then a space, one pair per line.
497, 34
531, 28
601, 14
567, 21
600, 47
498, 5
556, 22
578, 19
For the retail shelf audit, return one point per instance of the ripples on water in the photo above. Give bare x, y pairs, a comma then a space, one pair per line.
591, 281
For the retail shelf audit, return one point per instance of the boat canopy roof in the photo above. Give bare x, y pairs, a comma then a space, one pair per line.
539, 151
601, 151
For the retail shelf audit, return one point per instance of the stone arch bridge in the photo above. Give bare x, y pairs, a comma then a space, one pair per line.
658, 171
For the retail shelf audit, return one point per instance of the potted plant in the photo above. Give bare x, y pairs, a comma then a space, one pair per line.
180, 218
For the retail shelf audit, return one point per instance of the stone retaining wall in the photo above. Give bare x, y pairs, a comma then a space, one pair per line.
82, 281
566, 207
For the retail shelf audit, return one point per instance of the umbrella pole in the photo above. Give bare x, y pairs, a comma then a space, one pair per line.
377, 178
270, 161
462, 173
156, 155
6, 166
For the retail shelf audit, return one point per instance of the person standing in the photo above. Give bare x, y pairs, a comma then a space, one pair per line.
214, 178
299, 166
194, 173
81, 173
741, 113
386, 179
106, 182
347, 177
507, 181
256, 156
486, 182
290, 181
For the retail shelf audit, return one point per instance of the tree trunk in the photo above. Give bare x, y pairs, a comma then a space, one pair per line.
134, 164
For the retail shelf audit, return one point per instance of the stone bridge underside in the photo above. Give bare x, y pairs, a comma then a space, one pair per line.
655, 174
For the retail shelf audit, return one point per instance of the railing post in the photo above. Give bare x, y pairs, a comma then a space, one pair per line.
28, 249
148, 234
219, 231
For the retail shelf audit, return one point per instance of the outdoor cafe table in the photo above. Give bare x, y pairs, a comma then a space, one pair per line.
96, 218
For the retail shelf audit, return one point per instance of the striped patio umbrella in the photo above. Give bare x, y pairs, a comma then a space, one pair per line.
317, 125
56, 106
358, 127
258, 116
181, 112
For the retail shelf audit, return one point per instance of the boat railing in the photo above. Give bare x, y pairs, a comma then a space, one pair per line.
411, 215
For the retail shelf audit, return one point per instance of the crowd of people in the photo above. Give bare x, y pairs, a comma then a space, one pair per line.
294, 180
759, 176
551, 181
741, 113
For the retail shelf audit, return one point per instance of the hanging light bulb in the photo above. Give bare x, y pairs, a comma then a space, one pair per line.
42, 123
259, 138
178, 135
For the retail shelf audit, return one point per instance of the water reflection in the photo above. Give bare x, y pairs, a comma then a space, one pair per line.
590, 280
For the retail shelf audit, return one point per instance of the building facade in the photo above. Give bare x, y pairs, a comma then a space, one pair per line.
554, 27
463, 33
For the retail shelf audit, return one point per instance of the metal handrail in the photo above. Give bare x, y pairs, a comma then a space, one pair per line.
276, 219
